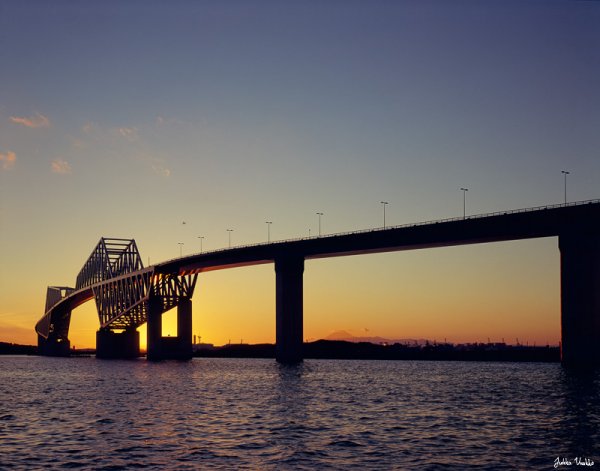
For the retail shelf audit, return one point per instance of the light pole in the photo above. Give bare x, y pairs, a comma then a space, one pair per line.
268, 223
319, 214
464, 190
180, 248
201, 239
565, 173
384, 204
229, 231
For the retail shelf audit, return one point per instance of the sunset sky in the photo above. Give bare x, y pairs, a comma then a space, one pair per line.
167, 121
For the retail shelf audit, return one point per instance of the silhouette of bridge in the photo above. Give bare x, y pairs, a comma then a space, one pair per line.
127, 294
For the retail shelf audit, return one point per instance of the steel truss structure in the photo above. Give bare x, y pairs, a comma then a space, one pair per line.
122, 302
111, 258
170, 289
115, 277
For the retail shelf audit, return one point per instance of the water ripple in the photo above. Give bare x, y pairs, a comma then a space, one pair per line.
254, 414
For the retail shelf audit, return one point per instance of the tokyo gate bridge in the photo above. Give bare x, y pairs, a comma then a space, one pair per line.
127, 294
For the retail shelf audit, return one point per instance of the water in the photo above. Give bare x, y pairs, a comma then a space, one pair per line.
254, 414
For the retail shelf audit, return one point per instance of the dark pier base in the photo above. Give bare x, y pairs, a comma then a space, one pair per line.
112, 345
53, 347
580, 299
289, 309
170, 348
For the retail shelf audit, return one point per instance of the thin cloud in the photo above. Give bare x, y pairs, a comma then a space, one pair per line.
8, 160
36, 121
110, 134
88, 127
161, 120
123, 140
13, 333
166, 121
77, 143
130, 134
61, 166
161, 171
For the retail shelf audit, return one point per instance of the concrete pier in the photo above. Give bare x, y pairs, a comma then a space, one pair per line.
110, 344
53, 347
580, 299
154, 329
184, 329
169, 348
289, 309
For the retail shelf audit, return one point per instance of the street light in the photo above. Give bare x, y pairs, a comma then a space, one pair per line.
384, 204
565, 173
268, 223
180, 248
319, 214
464, 190
229, 231
201, 239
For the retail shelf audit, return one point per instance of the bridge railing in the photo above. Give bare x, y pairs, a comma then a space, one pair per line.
400, 226
474, 216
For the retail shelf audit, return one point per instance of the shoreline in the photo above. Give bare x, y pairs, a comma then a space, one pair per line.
344, 350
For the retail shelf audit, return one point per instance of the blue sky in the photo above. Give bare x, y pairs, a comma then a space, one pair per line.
124, 119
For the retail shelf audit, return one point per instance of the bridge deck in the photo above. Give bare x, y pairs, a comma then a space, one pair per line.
546, 221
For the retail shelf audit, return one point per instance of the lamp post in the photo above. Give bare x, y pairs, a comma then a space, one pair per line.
201, 239
319, 214
229, 231
180, 248
464, 190
565, 173
384, 204
268, 223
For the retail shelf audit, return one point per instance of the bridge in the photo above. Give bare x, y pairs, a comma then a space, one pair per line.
127, 294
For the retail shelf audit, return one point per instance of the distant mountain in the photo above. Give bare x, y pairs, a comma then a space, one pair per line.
348, 337
339, 335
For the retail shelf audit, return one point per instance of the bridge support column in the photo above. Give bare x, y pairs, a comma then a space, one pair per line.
169, 348
154, 329
289, 309
580, 299
111, 344
53, 347
184, 329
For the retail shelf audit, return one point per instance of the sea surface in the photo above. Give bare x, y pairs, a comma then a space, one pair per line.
60, 413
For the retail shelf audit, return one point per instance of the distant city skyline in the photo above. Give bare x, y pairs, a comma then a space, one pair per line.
177, 124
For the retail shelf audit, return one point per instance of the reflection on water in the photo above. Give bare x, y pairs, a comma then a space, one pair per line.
229, 414
580, 414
